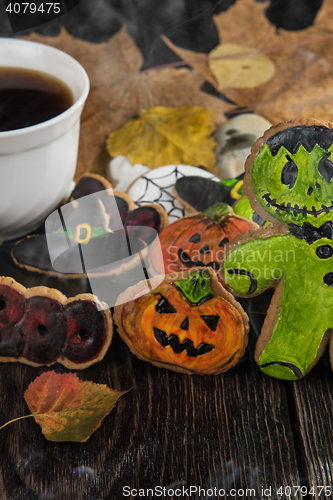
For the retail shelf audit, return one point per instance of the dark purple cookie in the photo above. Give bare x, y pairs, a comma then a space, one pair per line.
44, 328
11, 310
144, 223
11, 305
90, 184
86, 331
11, 341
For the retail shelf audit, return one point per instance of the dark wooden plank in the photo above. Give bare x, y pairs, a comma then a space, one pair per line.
314, 408
170, 430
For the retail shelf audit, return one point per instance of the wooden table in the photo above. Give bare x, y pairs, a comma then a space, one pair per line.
242, 432
237, 435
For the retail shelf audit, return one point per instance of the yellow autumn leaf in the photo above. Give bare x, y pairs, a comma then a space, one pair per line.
240, 71
163, 136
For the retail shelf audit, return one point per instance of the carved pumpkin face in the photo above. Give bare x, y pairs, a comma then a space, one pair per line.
186, 326
199, 240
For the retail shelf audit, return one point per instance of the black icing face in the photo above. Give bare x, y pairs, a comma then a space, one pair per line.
165, 309
186, 260
187, 345
294, 185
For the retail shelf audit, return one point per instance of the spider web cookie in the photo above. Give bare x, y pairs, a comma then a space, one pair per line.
156, 186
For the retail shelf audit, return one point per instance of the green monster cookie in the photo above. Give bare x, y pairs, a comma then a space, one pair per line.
289, 182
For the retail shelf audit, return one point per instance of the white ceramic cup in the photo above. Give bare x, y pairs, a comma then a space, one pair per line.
37, 163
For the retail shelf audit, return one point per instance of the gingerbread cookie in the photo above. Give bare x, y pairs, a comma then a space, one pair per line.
117, 203
122, 173
196, 194
156, 186
243, 208
94, 183
91, 233
41, 326
198, 240
289, 182
189, 323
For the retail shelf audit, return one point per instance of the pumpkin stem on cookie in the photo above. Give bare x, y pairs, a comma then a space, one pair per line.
217, 212
196, 287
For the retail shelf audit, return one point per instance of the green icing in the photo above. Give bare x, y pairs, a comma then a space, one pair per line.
229, 185
96, 232
243, 208
294, 189
217, 212
196, 287
306, 311
281, 372
309, 190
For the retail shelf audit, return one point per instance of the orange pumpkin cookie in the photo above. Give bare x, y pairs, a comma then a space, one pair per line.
189, 323
198, 240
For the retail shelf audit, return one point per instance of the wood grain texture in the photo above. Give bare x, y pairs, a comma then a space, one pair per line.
170, 430
237, 430
314, 409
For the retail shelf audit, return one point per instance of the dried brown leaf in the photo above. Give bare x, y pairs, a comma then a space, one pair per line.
240, 71
249, 18
198, 61
303, 81
67, 408
119, 90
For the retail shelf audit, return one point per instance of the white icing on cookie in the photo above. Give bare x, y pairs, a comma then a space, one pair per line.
156, 186
123, 173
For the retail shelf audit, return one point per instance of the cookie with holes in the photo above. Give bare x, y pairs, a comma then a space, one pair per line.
288, 181
41, 326
189, 323
198, 240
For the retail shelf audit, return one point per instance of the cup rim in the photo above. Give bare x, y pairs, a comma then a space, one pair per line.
79, 102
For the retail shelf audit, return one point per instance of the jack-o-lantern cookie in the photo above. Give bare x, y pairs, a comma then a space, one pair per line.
198, 240
189, 323
289, 182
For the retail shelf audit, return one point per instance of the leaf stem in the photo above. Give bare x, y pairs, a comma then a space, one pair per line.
300, 43
15, 419
238, 111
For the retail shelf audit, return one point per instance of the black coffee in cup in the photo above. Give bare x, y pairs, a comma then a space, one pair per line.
29, 97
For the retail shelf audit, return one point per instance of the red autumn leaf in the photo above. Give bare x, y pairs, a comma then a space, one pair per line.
66, 408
